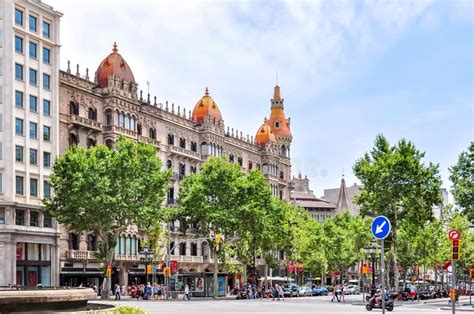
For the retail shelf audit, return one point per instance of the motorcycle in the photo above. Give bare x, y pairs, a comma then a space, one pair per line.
376, 303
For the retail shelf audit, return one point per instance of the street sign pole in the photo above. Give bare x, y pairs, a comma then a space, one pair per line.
453, 282
382, 274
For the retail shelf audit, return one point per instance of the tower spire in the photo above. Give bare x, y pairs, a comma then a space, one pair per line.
114, 49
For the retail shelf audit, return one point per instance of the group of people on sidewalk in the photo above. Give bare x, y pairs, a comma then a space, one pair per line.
253, 291
145, 292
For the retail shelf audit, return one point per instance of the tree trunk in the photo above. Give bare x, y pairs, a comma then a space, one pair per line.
216, 269
265, 268
107, 283
396, 273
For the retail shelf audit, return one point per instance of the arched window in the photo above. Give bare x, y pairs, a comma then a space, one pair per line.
182, 142
132, 123
73, 108
152, 133
194, 146
73, 139
170, 196
91, 142
182, 171
139, 128
134, 245
182, 248
194, 249
240, 161
231, 158
108, 117
91, 242
277, 124
204, 149
170, 139
126, 123
250, 165
92, 114
73, 241
169, 164
109, 143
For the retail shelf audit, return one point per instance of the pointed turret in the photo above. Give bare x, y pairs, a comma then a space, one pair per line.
343, 202
278, 122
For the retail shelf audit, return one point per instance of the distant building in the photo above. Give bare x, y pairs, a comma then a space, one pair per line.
344, 197
318, 208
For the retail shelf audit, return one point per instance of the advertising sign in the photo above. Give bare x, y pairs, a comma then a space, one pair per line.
199, 284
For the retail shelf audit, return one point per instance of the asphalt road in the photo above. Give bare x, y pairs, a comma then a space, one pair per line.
296, 305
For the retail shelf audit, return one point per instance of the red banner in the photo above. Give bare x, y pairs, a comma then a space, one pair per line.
299, 267
291, 267
174, 265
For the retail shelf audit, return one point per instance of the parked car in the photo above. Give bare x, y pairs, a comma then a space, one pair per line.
305, 291
352, 289
320, 290
290, 290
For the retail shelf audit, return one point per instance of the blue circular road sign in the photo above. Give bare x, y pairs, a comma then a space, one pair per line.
381, 227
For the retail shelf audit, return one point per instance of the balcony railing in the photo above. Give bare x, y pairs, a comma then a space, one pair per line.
85, 122
148, 140
80, 254
119, 129
184, 152
188, 259
127, 257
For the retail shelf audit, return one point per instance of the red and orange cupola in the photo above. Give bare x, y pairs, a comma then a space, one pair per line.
206, 106
114, 65
279, 125
264, 134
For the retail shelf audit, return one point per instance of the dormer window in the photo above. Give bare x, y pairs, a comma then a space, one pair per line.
277, 124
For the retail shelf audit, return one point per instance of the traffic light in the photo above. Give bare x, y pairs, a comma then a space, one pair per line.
456, 250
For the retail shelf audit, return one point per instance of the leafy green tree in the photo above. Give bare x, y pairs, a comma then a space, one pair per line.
397, 184
104, 191
462, 176
210, 200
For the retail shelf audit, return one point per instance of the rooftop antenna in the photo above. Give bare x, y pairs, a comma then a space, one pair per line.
276, 76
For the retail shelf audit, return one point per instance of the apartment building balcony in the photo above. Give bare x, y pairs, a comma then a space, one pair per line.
148, 140
184, 152
127, 257
118, 129
187, 259
85, 123
80, 254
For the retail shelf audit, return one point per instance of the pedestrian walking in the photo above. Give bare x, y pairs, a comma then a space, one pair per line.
342, 293
117, 292
186, 293
280, 291
334, 294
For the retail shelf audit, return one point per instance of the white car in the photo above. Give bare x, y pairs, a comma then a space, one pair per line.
305, 291
352, 289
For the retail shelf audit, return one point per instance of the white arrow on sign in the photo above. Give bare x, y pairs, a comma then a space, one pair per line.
379, 228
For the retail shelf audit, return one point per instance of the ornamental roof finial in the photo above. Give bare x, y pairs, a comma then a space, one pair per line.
206, 92
114, 49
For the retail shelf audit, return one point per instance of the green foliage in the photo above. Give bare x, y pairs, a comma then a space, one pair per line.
103, 191
462, 176
397, 184
128, 310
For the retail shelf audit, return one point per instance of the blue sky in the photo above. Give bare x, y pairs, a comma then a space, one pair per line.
348, 70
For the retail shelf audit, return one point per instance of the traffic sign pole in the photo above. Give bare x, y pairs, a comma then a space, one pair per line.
382, 274
453, 282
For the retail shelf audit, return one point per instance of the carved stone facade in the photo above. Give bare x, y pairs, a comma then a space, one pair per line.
92, 113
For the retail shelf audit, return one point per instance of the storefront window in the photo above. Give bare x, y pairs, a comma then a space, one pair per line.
45, 252
32, 276
20, 275
33, 252
46, 275
20, 251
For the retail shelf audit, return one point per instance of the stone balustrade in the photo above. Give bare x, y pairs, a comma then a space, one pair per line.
184, 152
85, 122
80, 254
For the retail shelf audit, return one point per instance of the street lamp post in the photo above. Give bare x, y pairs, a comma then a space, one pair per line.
146, 256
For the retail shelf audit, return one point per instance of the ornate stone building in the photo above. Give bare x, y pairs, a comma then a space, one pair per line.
98, 110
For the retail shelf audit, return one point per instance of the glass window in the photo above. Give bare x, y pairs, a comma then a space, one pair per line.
33, 218
46, 107
18, 99
32, 253
33, 50
46, 133
33, 130
2, 216
19, 153
45, 252
18, 17
46, 189
46, 81
33, 156
19, 217
18, 72
46, 159
46, 29
18, 44
20, 250
47, 223
46, 57
46, 276
32, 23
33, 103
18, 126
34, 187
33, 77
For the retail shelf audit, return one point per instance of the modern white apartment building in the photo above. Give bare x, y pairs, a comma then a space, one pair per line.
29, 97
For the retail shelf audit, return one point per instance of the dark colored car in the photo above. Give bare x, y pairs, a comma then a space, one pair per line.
320, 291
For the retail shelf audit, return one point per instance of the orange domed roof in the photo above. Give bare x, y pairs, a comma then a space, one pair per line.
115, 65
278, 122
206, 106
264, 134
